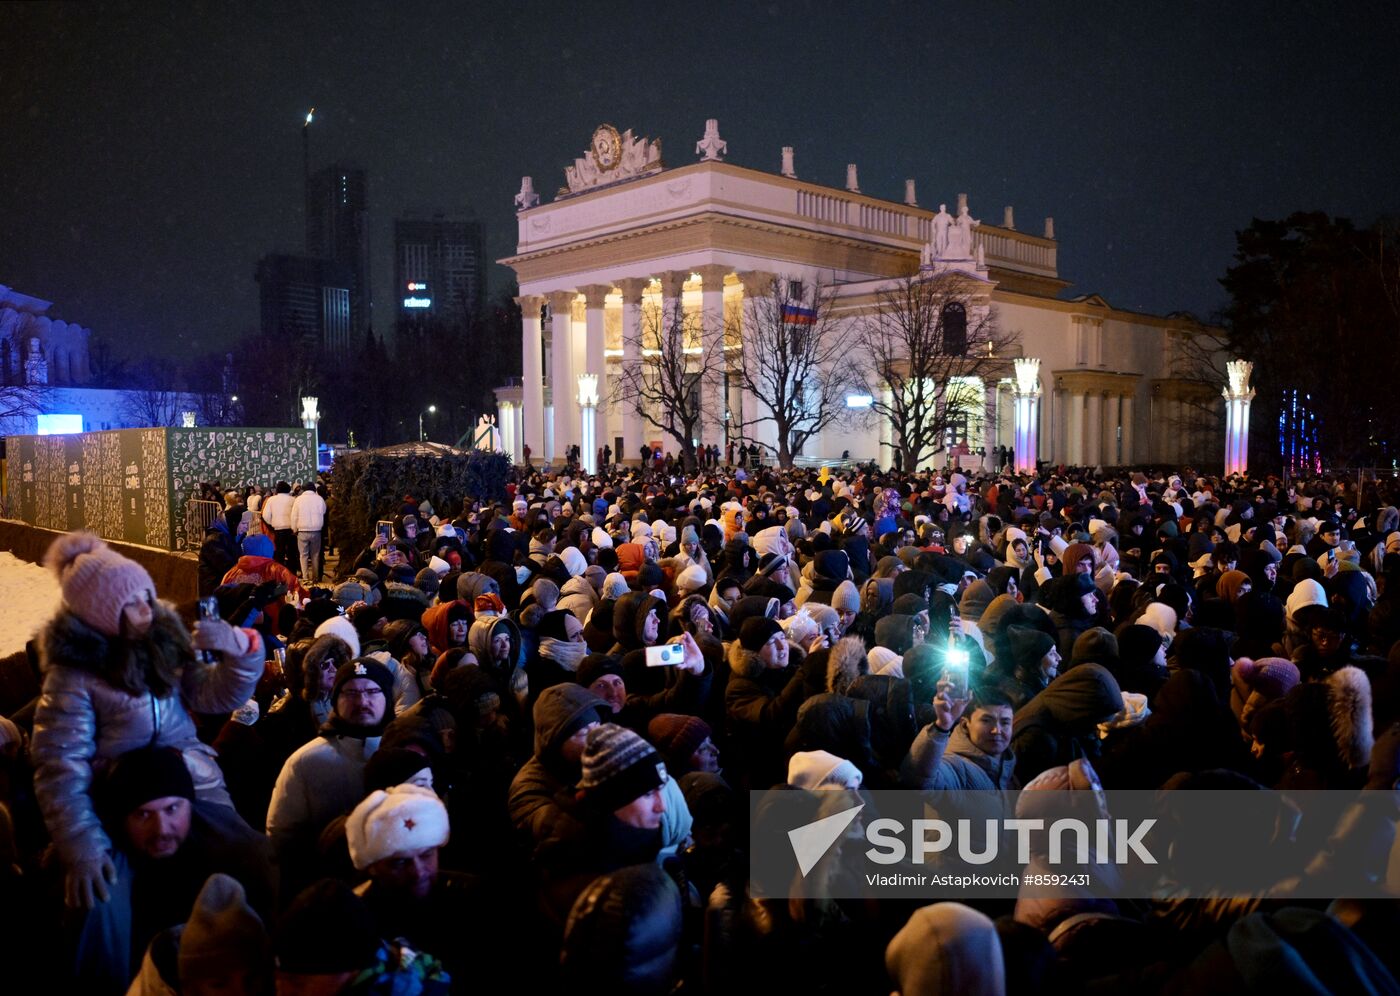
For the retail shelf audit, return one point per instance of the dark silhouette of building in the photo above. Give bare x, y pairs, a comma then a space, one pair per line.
308, 299
439, 269
337, 229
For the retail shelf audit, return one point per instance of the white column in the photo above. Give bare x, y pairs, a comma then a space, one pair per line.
756, 284
1238, 396
1074, 427
1026, 399
1126, 420
505, 419
532, 375
712, 317
631, 358
595, 363
561, 373
1093, 425
588, 411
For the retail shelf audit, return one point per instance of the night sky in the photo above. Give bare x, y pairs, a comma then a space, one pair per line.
150, 153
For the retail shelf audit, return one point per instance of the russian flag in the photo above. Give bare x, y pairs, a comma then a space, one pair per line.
795, 314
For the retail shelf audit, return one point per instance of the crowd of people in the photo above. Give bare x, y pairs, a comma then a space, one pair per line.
458, 767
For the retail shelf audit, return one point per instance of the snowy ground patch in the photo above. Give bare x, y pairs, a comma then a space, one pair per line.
29, 597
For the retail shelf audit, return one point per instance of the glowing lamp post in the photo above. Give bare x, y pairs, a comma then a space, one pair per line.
310, 418
1026, 396
431, 409
1238, 395
588, 410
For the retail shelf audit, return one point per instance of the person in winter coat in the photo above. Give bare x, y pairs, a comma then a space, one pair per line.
325, 777
1032, 663
257, 566
120, 672
220, 551
761, 699
1073, 604
946, 949
447, 625
968, 744
1060, 724
495, 641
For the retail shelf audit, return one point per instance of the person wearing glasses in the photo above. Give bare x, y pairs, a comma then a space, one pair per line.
324, 778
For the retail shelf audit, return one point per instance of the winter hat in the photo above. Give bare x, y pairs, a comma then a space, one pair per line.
846, 598
595, 666
347, 593
678, 736
222, 935
391, 766
816, 770
882, 660
975, 600
691, 579
439, 566
257, 545
343, 628
757, 631
771, 562
1028, 645
574, 561
405, 819
97, 582
326, 931
1305, 593
615, 586
1161, 617
618, 767
1269, 678
364, 667
1095, 645
488, 603
427, 580
144, 774
600, 538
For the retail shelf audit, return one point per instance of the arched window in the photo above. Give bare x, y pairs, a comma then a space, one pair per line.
954, 329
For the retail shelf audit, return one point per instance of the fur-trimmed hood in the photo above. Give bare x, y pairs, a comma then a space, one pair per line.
136, 667
845, 662
1349, 711
745, 663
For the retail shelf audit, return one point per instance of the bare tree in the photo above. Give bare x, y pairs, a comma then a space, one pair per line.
18, 404
794, 363
664, 385
153, 401
919, 349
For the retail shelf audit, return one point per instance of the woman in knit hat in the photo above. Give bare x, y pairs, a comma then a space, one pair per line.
685, 742
120, 672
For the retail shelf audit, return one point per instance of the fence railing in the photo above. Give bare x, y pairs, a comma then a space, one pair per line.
199, 516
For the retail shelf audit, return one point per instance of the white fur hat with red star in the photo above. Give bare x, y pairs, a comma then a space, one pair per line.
404, 820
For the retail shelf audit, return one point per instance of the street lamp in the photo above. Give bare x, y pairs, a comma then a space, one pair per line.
310, 417
431, 409
588, 407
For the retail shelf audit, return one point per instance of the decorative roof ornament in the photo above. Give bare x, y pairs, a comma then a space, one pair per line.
711, 148
527, 198
611, 158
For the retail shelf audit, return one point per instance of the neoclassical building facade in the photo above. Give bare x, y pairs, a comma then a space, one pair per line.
627, 236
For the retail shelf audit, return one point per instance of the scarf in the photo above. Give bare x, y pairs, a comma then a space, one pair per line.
565, 653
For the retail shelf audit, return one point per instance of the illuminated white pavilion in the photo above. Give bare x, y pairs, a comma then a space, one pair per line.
1092, 384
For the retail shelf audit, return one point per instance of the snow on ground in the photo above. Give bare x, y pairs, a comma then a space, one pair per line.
29, 596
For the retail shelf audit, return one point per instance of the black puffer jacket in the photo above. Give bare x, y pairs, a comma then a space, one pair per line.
623, 934
1061, 723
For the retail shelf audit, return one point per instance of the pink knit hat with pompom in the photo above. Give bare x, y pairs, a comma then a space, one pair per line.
97, 581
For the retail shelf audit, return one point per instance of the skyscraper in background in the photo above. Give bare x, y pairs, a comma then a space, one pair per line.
439, 269
306, 299
337, 229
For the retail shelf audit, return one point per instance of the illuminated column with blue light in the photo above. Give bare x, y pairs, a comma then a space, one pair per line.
588, 411
1238, 396
1026, 396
